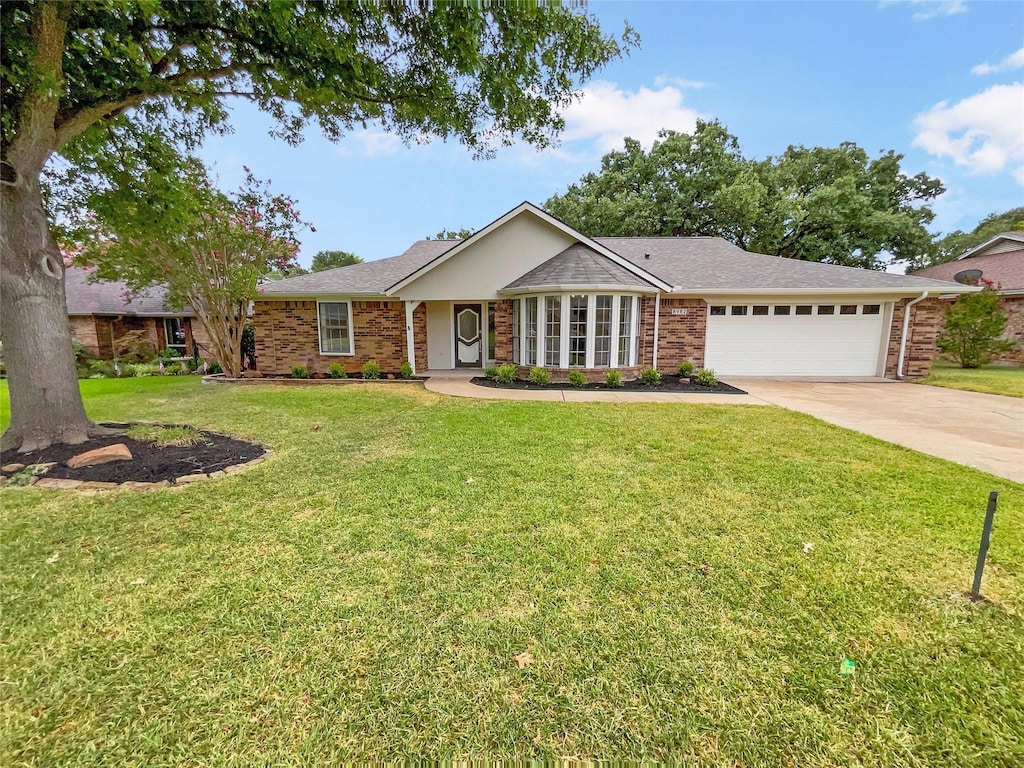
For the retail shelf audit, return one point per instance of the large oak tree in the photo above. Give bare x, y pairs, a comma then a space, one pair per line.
483, 73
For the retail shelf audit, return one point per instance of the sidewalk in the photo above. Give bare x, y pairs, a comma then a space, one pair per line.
457, 384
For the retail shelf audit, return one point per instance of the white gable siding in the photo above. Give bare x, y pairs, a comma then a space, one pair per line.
1002, 246
485, 267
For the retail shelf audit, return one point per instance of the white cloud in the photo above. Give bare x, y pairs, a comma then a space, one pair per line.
606, 114
681, 82
984, 132
375, 143
931, 9
1013, 61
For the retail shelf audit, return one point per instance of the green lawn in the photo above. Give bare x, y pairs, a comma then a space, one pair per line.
993, 379
363, 594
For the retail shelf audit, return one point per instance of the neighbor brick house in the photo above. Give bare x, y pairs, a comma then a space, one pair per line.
1000, 261
99, 315
530, 290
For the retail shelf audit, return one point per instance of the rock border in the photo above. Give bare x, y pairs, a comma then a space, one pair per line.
220, 378
183, 481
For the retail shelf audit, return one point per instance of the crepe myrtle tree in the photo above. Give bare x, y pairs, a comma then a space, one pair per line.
209, 249
485, 73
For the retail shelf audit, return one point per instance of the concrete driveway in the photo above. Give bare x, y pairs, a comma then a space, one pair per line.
981, 431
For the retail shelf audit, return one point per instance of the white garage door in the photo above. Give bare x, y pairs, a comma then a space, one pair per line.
795, 339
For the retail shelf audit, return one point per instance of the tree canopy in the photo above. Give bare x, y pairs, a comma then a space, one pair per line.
452, 234
835, 205
333, 259
75, 76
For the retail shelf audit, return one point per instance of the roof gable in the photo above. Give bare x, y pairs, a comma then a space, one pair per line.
1005, 241
578, 265
86, 296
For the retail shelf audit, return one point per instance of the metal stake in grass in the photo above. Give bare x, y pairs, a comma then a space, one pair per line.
986, 534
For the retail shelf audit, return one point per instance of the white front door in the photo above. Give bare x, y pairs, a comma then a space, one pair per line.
468, 336
817, 339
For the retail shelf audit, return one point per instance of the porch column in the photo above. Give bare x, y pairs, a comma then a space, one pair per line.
410, 335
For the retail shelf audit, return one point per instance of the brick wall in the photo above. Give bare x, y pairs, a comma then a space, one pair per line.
287, 335
503, 331
681, 336
1013, 306
83, 330
925, 323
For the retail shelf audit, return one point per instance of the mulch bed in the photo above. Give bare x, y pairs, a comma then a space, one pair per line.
149, 464
668, 384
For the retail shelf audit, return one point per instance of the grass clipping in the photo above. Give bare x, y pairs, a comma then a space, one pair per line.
164, 437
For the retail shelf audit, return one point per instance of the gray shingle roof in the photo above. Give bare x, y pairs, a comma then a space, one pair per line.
371, 277
713, 264
578, 264
106, 297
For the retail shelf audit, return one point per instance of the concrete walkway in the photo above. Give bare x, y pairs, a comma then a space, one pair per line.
971, 428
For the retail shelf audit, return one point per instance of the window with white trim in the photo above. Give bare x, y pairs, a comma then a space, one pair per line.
578, 330
603, 332
335, 327
625, 329
531, 331
552, 331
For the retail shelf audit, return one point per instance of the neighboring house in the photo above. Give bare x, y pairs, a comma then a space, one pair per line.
1000, 261
531, 290
99, 316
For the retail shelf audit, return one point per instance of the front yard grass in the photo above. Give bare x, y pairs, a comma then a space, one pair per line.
993, 379
363, 595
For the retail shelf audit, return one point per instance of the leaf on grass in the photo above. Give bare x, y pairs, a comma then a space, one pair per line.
808, 547
139, 580
469, 479
524, 659
52, 558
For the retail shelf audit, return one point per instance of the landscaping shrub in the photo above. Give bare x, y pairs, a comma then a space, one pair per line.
139, 369
706, 377
506, 374
337, 371
214, 367
371, 370
247, 345
972, 335
299, 372
168, 354
577, 378
540, 376
405, 371
685, 368
490, 373
101, 369
164, 436
613, 379
134, 347
650, 376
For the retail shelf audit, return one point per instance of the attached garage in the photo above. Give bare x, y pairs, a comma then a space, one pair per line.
797, 339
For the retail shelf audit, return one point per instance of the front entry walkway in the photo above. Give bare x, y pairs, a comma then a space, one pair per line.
971, 428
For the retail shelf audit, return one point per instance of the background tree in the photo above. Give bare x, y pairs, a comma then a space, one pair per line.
833, 205
333, 259
452, 234
483, 73
956, 243
209, 249
972, 335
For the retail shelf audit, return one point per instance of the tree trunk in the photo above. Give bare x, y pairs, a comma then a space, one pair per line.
46, 406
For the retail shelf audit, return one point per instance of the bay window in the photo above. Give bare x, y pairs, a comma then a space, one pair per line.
578, 330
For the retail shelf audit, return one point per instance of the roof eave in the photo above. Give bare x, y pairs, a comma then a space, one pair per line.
908, 291
577, 288
308, 295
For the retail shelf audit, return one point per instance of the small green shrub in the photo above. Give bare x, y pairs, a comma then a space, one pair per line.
706, 377
214, 368
337, 371
506, 374
299, 372
128, 370
685, 368
490, 373
577, 378
168, 354
405, 371
540, 376
164, 436
613, 379
650, 376
371, 370
101, 369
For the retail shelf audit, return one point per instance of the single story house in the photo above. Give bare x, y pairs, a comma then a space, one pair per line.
530, 290
99, 315
999, 260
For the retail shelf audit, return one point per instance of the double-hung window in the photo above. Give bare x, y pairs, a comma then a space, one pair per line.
335, 327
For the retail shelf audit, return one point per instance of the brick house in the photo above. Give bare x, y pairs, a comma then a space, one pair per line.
1001, 261
99, 316
530, 290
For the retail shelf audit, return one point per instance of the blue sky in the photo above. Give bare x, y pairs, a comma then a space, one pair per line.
940, 82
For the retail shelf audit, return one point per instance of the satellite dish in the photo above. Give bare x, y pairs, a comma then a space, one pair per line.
968, 276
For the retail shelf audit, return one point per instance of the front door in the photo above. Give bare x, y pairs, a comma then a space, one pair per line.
468, 336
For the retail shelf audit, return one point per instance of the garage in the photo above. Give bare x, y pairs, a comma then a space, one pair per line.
820, 339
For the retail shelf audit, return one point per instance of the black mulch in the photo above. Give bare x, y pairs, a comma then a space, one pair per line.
668, 384
149, 464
